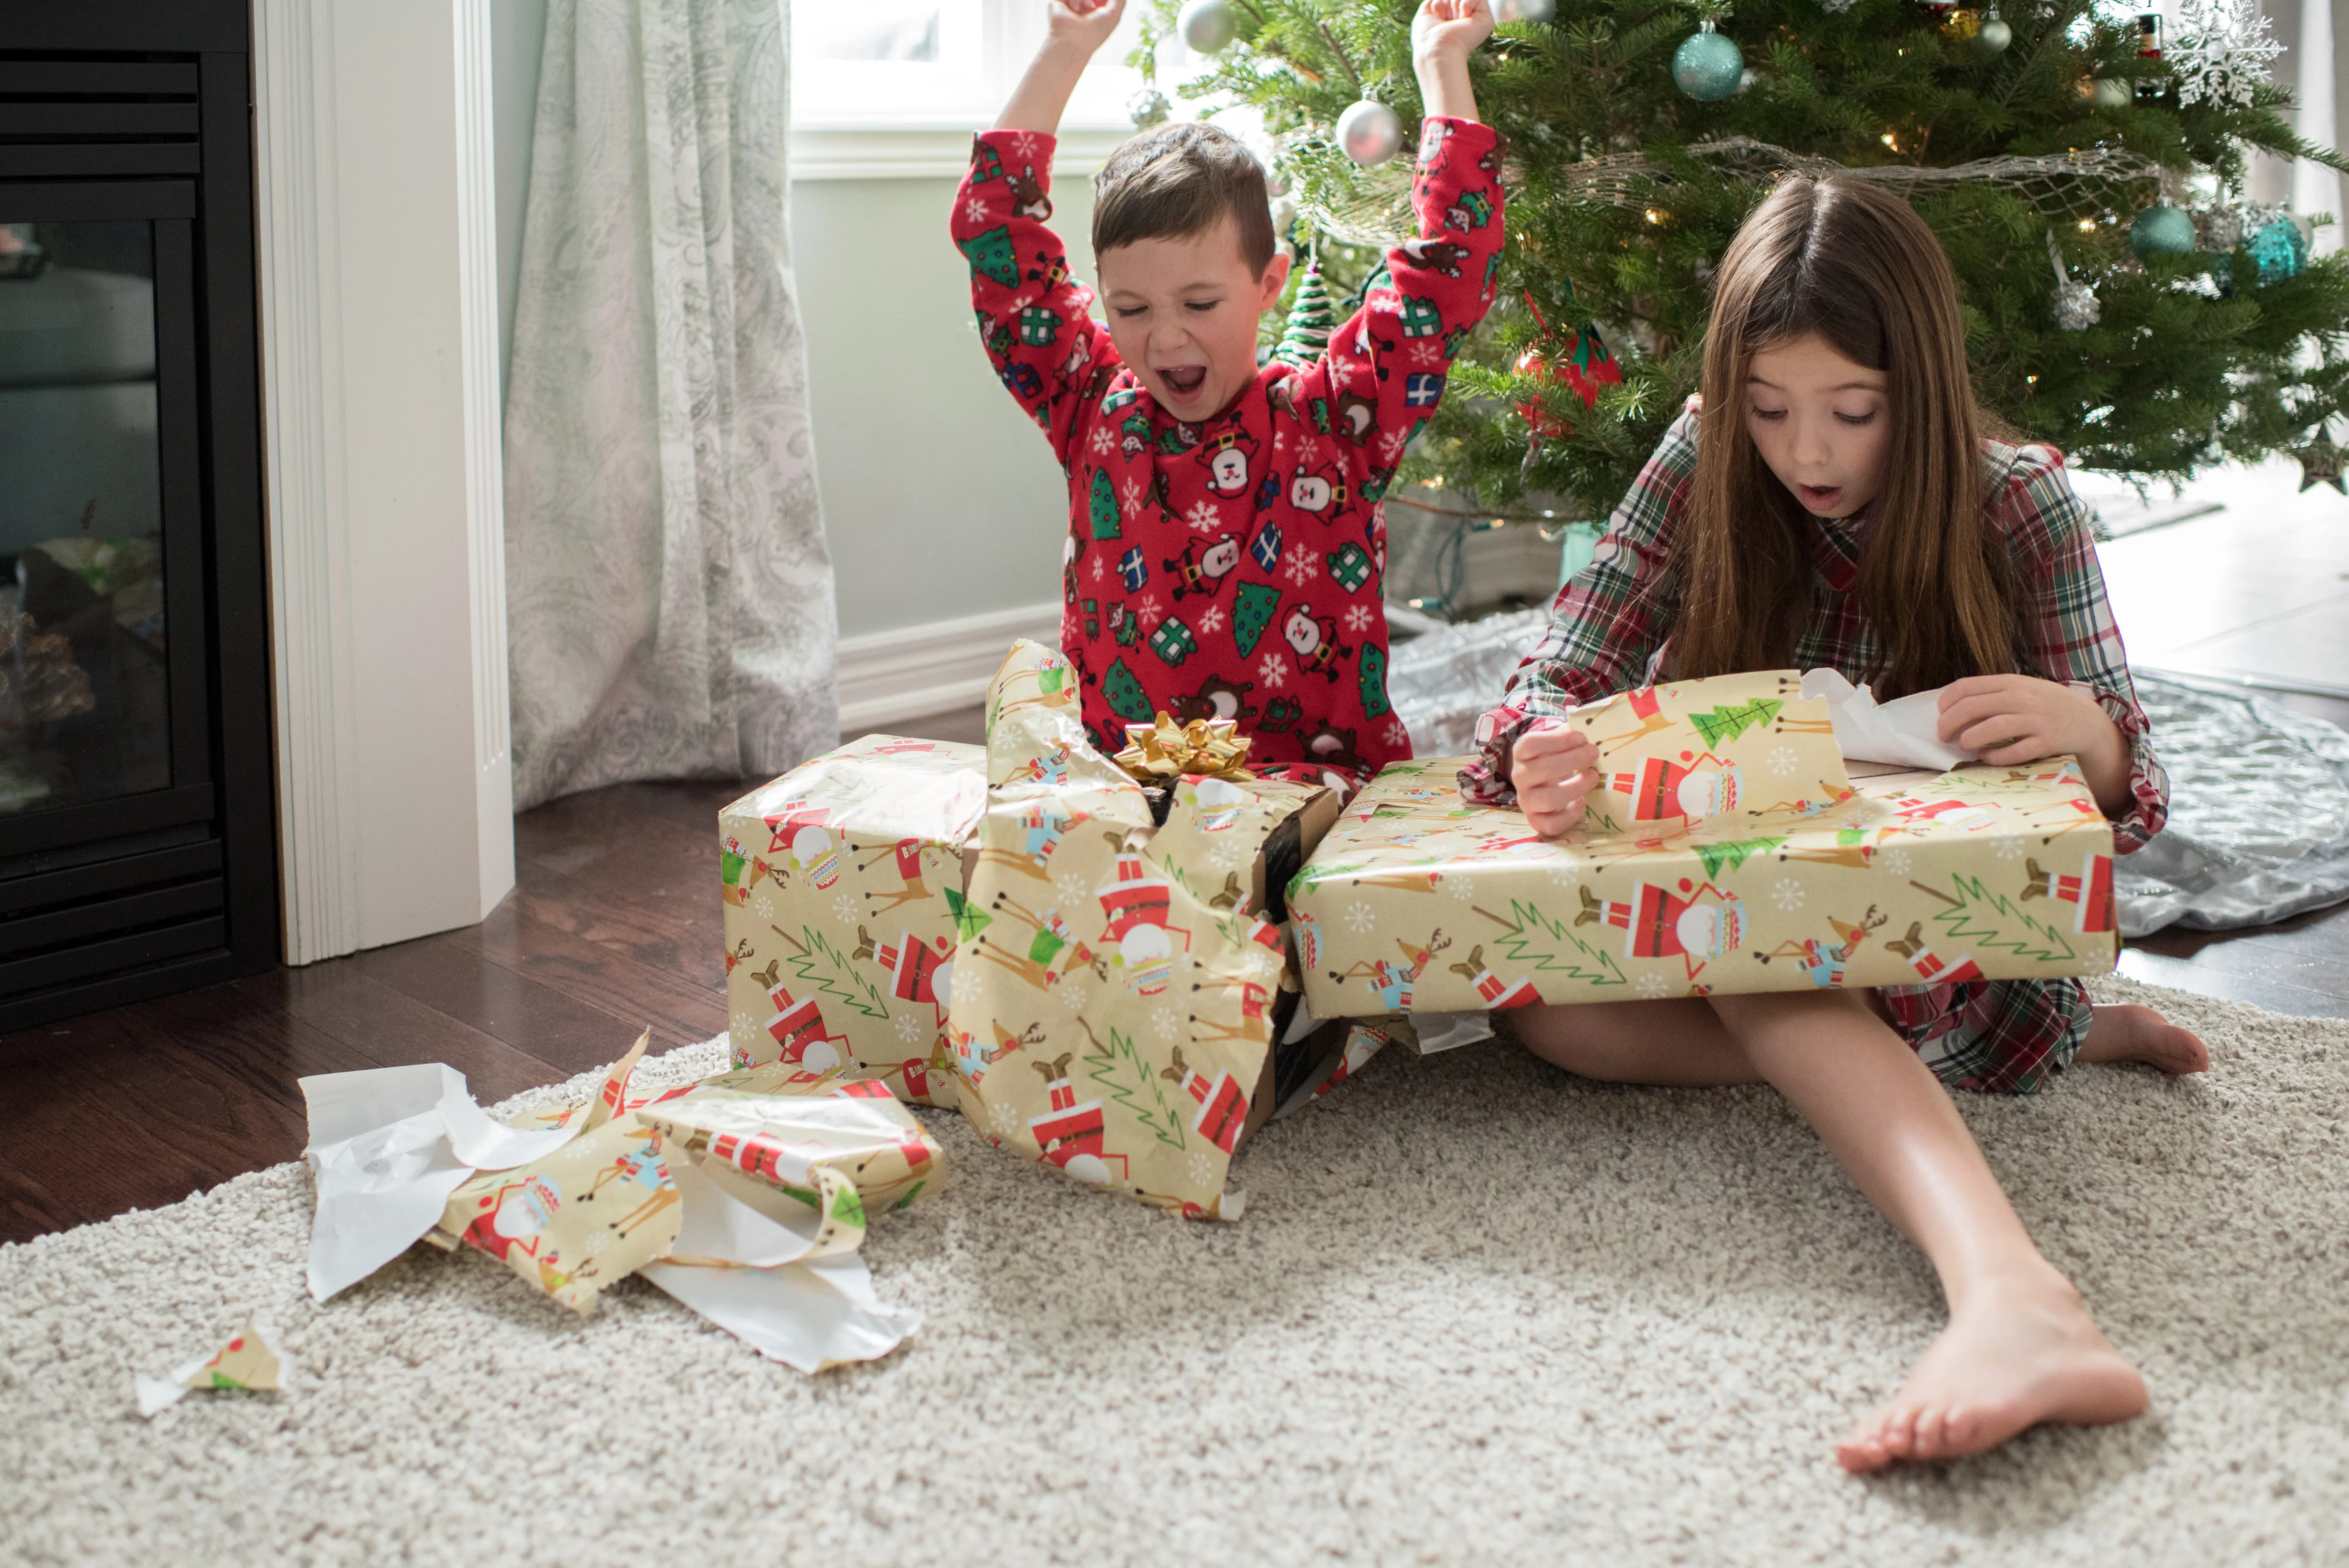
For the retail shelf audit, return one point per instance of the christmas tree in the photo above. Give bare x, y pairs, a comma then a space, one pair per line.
2123, 298
1311, 318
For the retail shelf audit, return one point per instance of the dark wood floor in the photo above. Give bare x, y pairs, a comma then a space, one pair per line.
614, 924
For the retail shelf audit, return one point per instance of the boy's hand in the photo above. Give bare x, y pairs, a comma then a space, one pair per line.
1083, 25
1554, 767
2014, 719
1448, 28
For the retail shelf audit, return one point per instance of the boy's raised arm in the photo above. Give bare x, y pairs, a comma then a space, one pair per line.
1073, 31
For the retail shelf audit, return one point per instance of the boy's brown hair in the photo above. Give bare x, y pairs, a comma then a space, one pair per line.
1178, 181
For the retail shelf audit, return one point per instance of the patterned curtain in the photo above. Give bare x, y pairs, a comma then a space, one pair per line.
670, 592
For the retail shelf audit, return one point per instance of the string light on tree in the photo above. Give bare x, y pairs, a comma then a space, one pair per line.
1207, 27
1369, 132
1708, 66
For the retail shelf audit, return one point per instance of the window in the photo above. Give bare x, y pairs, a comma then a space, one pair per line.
908, 64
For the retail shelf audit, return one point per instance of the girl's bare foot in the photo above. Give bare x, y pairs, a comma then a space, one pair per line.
2129, 1033
2021, 1351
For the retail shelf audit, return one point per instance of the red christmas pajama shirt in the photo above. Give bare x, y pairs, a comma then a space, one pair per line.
1233, 569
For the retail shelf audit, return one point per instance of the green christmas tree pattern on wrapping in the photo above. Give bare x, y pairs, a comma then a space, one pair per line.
1529, 936
992, 254
1374, 681
1731, 853
829, 969
1251, 613
1311, 319
1119, 1068
1124, 695
1727, 723
1989, 920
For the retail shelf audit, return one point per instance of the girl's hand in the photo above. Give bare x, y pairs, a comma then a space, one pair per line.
1449, 30
1083, 25
1553, 766
2013, 719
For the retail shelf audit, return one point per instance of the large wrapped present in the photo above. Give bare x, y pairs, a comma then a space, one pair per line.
841, 881
1729, 852
1116, 992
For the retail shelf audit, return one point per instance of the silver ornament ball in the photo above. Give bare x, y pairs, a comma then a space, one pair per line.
1369, 132
1524, 10
1994, 37
1207, 27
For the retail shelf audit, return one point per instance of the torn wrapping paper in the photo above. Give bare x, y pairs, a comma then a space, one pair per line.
819, 1314
840, 881
1905, 731
388, 1146
246, 1361
1115, 991
1420, 903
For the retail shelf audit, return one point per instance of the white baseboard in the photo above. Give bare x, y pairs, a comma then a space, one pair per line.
886, 677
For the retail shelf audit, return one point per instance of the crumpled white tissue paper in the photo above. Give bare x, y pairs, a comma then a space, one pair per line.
1904, 730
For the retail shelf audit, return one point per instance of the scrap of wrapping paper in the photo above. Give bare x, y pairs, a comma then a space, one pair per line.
840, 884
1111, 1013
1162, 751
246, 1361
1419, 902
1906, 730
389, 1145
1684, 752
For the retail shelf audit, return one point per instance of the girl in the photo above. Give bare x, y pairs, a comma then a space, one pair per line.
1831, 500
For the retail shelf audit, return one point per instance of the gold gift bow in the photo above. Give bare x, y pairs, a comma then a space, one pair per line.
1162, 750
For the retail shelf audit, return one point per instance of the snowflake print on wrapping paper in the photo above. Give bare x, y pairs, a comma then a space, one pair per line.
1074, 997
1025, 144
1272, 670
1073, 887
1211, 620
967, 983
1166, 1024
1653, 987
1783, 759
844, 907
1229, 853
1359, 918
744, 1023
974, 210
1566, 873
909, 1027
1101, 568
1391, 444
1299, 564
1129, 498
1459, 889
1787, 894
1358, 619
1005, 1119
765, 906
1426, 354
1104, 440
2008, 849
1203, 517
1147, 610
595, 1239
1395, 733
1202, 1168
1897, 861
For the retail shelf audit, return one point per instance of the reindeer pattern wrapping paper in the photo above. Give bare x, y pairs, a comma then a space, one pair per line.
842, 881
1729, 852
1113, 994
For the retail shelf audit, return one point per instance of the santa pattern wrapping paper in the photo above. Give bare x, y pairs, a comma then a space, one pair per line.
1729, 852
1113, 993
841, 883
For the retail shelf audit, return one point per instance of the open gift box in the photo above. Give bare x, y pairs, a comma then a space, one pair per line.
842, 882
1727, 850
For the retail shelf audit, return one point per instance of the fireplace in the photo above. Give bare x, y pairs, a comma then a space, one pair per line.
137, 828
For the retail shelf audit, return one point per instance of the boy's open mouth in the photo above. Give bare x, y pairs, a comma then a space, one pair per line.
1184, 380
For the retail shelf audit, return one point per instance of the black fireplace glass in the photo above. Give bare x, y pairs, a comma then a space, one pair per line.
85, 689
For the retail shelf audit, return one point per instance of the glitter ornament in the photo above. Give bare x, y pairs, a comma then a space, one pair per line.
1149, 108
1369, 132
1707, 65
1207, 27
2076, 307
2280, 247
2162, 230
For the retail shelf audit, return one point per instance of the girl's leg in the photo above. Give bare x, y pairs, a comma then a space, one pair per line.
2129, 1033
2020, 1347
1677, 1044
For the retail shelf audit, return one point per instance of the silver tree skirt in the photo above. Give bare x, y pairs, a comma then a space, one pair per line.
2259, 810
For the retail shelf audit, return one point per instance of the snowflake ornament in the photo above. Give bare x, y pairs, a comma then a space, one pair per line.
1787, 894
1359, 918
2223, 53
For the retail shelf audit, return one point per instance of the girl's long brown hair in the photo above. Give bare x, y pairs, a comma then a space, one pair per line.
1853, 263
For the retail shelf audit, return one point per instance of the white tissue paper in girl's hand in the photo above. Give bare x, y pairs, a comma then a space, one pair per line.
1905, 730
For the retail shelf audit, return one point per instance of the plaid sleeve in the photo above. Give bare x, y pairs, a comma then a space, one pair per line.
2069, 633
1607, 623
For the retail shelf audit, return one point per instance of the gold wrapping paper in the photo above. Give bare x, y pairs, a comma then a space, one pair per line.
1419, 902
842, 881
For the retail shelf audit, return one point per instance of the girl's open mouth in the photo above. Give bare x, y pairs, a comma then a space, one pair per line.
1182, 380
1819, 498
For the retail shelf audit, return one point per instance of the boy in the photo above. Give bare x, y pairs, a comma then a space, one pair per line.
1226, 541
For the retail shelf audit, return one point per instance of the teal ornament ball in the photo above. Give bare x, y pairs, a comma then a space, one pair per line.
2280, 248
1708, 67
2162, 231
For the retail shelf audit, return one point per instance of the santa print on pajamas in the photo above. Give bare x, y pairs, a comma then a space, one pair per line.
1233, 569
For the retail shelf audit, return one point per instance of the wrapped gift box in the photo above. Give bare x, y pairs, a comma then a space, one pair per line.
1118, 989
842, 881
1712, 862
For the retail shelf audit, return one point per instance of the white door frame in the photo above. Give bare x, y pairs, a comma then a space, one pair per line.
374, 176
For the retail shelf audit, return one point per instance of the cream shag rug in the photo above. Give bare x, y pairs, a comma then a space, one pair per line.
1478, 1312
